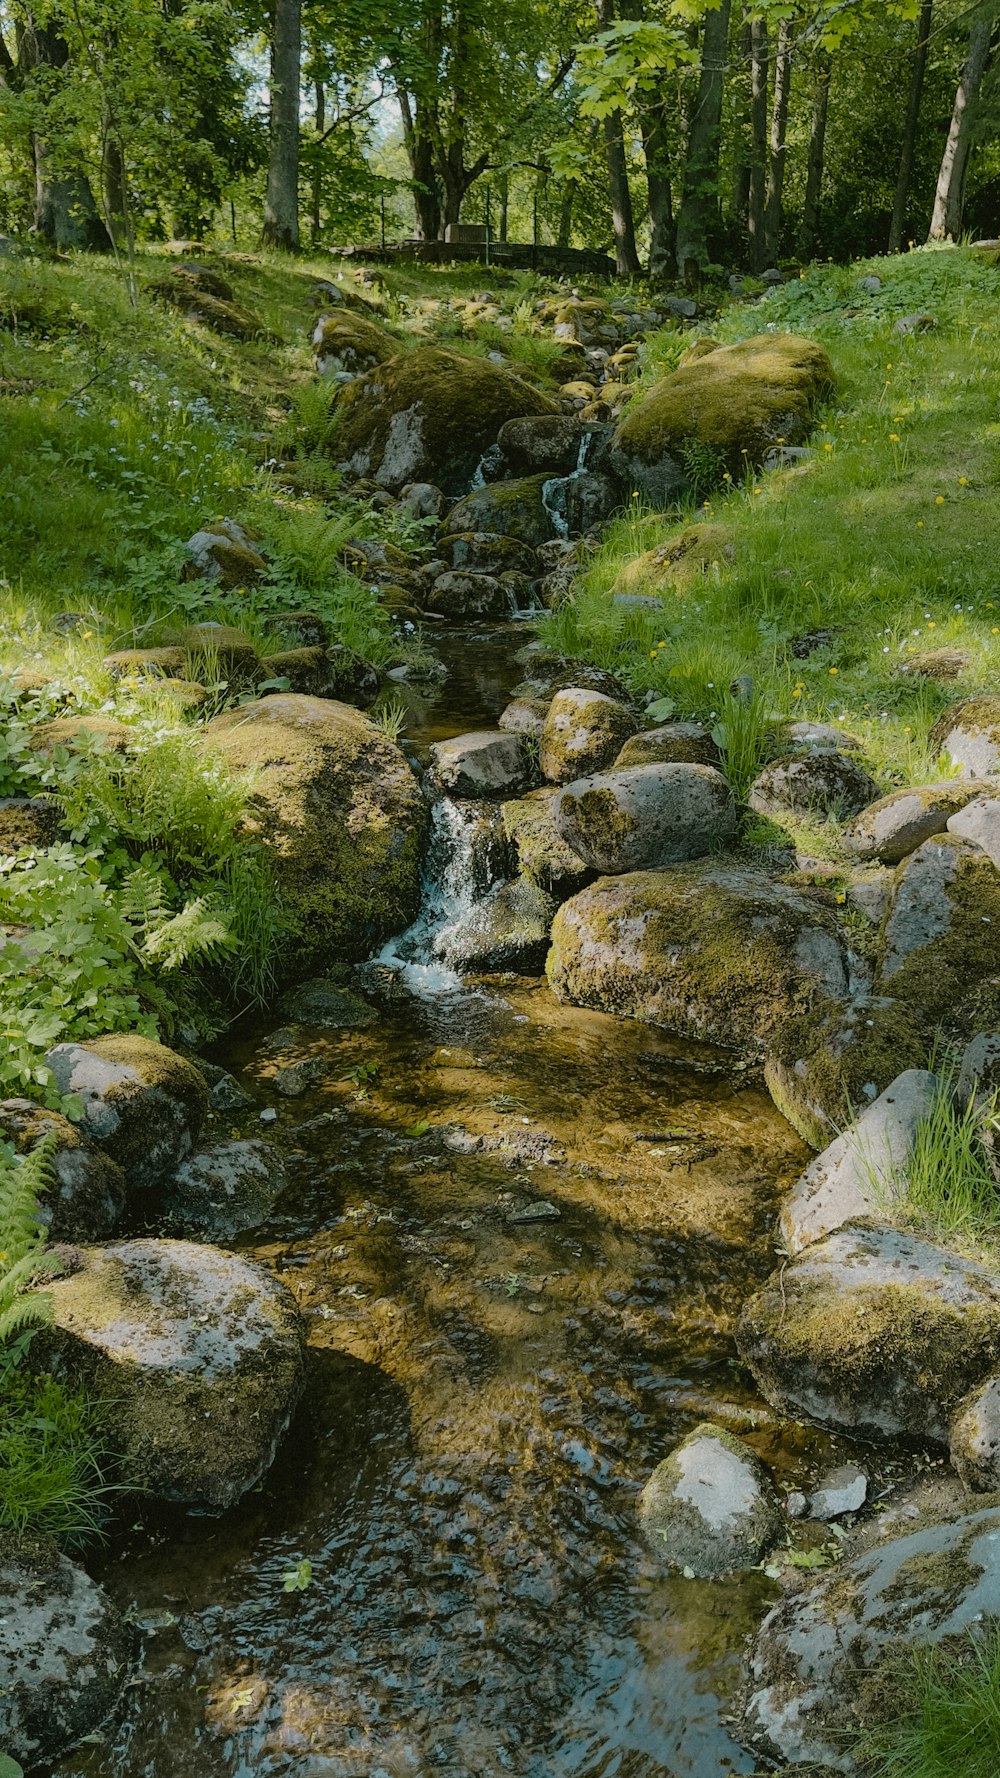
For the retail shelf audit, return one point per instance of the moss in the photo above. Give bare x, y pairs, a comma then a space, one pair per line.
676, 743
341, 815
679, 563
140, 663
700, 949
81, 731
954, 979
429, 415
158, 1073
542, 853
823, 1067
741, 399
513, 509
353, 341
28, 822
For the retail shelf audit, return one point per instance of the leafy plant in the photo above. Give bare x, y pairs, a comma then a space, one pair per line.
22, 1243
297, 1578
947, 1184
391, 717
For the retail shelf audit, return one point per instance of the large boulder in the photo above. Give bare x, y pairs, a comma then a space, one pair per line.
978, 821
486, 763
583, 732
680, 565
738, 401
820, 1070
863, 1172
812, 782
141, 1103
530, 826
710, 1508
348, 342
646, 816
875, 1332
86, 1192
673, 743
201, 1353
429, 415
711, 951
892, 828
974, 1446
556, 444
969, 736
65, 1656
822, 1665
338, 812
509, 509
939, 941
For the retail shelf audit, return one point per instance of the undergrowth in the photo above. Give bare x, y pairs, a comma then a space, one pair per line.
946, 1715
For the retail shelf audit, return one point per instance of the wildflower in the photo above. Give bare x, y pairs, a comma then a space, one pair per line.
828, 447
888, 367
920, 524
963, 481
758, 490
994, 631
940, 500
894, 438
841, 900
833, 672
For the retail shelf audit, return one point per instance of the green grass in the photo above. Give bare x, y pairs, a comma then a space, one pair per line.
53, 1452
885, 537
950, 1191
946, 1716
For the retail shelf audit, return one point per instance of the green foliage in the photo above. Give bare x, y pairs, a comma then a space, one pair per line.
297, 1578
22, 1246
53, 1452
391, 717
945, 1719
743, 734
948, 1186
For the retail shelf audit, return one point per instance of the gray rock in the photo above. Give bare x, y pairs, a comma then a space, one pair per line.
871, 286
840, 1491
509, 930
486, 552
975, 1439
141, 1103
422, 500
227, 1187
462, 594
509, 509
979, 1073
65, 1656
682, 308
637, 602
530, 827
226, 1094
490, 763
524, 716
862, 1173
809, 1669
921, 907
875, 1332
969, 735
796, 1505
810, 781
550, 442
892, 828
646, 816
922, 323
327, 1007
201, 1353
710, 1507
86, 1195
979, 823
870, 895
584, 731
821, 737
673, 743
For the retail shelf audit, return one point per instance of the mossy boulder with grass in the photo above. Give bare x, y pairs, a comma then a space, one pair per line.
710, 1507
736, 402
813, 781
65, 1656
340, 815
709, 951
678, 565
824, 1066
77, 733
319, 672
225, 554
139, 1101
890, 829
507, 509
874, 1332
429, 415
673, 743
939, 944
968, 735
201, 1352
646, 816
349, 342
838, 1657
146, 663
583, 732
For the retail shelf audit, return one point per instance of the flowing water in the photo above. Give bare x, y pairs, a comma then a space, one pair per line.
519, 1234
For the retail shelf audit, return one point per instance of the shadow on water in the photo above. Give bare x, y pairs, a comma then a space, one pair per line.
519, 1246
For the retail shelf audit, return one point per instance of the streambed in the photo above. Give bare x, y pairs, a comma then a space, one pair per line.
519, 1234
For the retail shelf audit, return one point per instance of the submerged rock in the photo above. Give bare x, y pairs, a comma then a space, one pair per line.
584, 731
875, 1332
339, 813
862, 1173
65, 1656
141, 1103
708, 950
201, 1353
646, 816
226, 1187
508, 930
327, 1006
710, 1507
816, 1668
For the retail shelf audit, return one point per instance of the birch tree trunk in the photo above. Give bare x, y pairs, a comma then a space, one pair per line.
949, 200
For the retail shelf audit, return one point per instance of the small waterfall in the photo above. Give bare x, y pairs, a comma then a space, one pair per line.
555, 493
465, 858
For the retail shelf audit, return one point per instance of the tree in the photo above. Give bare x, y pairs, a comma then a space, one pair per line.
816, 159
758, 142
949, 199
910, 126
700, 201
281, 204
64, 211
779, 128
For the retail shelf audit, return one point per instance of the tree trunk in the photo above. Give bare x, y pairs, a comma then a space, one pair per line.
700, 203
315, 221
420, 153
949, 200
281, 203
622, 217
758, 144
565, 235
809, 230
662, 234
911, 126
65, 212
741, 149
779, 143
503, 189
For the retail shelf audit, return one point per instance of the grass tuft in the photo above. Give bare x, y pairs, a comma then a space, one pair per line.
947, 1716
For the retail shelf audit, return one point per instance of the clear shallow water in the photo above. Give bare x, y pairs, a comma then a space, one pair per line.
485, 1396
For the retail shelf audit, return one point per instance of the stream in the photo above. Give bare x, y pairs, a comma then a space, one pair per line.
519, 1234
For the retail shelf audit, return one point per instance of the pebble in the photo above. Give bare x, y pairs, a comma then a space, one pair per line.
269, 1115
843, 1490
540, 1211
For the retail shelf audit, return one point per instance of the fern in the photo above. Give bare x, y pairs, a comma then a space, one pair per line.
194, 932
22, 1240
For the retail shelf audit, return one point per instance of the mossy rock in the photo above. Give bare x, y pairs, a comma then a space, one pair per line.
339, 813
680, 564
350, 342
65, 1654
28, 822
890, 829
938, 951
223, 553
507, 509
584, 731
673, 743
737, 402
487, 552
201, 1352
77, 733
875, 1332
146, 663
141, 1103
813, 781
711, 952
710, 1507
85, 1195
542, 853
429, 415
969, 735
221, 649
509, 930
825, 1065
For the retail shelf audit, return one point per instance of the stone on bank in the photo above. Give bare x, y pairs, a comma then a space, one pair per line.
709, 1508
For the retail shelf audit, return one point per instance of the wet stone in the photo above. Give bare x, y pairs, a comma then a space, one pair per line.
327, 1006
226, 1187
710, 1507
841, 1491
65, 1655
